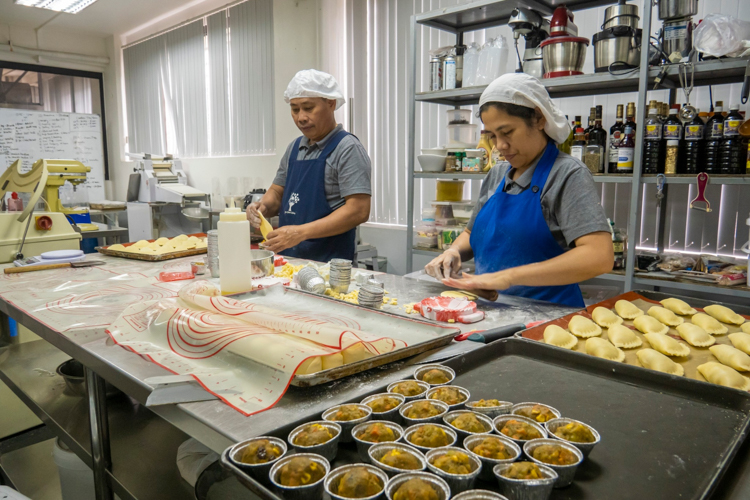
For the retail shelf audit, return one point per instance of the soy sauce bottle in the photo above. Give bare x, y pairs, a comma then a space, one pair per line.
732, 156
691, 147
652, 144
714, 134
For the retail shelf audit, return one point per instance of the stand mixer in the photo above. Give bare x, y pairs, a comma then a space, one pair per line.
535, 29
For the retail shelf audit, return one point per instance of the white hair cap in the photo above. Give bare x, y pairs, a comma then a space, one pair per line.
524, 90
314, 83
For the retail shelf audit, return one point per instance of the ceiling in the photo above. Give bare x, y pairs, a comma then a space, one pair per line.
102, 18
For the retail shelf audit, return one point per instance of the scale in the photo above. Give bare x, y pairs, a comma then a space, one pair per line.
53, 257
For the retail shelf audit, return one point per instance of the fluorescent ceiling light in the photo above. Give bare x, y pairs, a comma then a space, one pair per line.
69, 6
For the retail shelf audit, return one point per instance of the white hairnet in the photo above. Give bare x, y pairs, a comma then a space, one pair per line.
314, 83
527, 91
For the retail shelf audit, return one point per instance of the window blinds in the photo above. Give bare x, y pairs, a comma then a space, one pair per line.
204, 89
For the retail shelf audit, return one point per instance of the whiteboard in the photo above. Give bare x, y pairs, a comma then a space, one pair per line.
33, 135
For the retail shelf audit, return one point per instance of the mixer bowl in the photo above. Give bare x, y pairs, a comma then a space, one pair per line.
261, 262
563, 55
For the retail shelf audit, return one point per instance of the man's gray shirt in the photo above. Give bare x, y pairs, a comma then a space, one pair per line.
570, 202
347, 167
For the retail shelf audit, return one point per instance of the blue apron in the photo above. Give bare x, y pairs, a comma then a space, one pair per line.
305, 201
510, 231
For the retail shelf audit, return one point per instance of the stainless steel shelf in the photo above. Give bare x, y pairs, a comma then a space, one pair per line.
143, 445
448, 175
732, 291
618, 276
613, 178
691, 179
430, 252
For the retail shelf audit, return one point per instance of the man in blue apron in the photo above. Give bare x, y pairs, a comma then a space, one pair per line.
538, 228
322, 190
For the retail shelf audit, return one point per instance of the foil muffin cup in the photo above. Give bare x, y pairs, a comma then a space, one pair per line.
258, 471
364, 446
526, 489
479, 495
347, 425
441, 487
306, 492
434, 419
565, 473
521, 406
377, 451
391, 415
488, 464
490, 411
421, 395
452, 435
585, 448
333, 479
458, 406
499, 422
456, 482
419, 373
329, 449
448, 418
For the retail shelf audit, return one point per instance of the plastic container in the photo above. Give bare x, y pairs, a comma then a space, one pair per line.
459, 116
474, 161
450, 190
76, 479
448, 235
463, 136
234, 252
426, 235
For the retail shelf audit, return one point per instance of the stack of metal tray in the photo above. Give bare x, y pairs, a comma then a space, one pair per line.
662, 437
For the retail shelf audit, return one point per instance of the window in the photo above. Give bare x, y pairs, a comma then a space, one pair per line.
204, 89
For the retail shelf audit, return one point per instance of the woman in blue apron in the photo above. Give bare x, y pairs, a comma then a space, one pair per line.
538, 228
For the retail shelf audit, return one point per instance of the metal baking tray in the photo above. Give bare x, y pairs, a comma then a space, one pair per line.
420, 334
662, 436
153, 258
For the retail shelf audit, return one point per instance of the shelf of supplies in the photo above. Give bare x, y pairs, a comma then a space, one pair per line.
614, 178
668, 282
706, 73
691, 179
449, 175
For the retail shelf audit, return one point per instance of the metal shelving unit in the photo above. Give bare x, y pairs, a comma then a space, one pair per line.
488, 13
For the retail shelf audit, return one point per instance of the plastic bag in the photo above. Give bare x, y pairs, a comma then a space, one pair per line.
483, 62
471, 60
720, 35
498, 58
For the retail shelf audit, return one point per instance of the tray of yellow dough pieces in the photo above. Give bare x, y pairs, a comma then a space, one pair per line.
684, 336
160, 249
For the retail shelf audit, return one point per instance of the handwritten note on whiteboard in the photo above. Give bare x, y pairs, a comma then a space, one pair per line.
32, 135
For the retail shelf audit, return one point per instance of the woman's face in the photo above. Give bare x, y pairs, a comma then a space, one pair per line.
520, 143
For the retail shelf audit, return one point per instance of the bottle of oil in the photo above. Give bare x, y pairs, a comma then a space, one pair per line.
691, 147
652, 145
714, 134
732, 155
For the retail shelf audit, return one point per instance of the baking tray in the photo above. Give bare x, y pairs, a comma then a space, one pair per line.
153, 258
662, 436
428, 335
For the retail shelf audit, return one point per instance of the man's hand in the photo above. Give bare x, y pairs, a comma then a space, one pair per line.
252, 213
283, 238
491, 281
445, 265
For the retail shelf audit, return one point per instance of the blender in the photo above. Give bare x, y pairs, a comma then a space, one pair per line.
535, 29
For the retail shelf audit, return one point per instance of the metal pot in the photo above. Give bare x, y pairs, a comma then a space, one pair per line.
621, 14
72, 372
563, 55
261, 262
620, 46
671, 9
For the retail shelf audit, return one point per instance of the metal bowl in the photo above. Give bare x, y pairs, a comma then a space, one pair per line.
261, 263
456, 482
421, 395
258, 471
306, 492
490, 411
498, 423
435, 419
479, 495
521, 406
377, 451
419, 372
331, 482
462, 434
329, 449
347, 425
414, 428
72, 372
563, 55
364, 446
565, 473
526, 489
488, 464
195, 214
585, 448
441, 487
391, 415
464, 392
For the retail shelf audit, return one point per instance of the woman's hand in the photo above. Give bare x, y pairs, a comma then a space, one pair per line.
491, 281
445, 265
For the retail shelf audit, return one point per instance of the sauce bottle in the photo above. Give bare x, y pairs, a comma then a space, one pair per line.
626, 152
234, 252
714, 134
691, 147
731, 151
576, 150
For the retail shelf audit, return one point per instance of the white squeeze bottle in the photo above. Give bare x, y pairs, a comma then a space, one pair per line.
234, 251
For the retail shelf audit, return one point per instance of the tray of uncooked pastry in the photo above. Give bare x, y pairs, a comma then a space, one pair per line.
159, 249
514, 418
681, 336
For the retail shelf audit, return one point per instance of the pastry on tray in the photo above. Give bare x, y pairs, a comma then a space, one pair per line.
408, 388
400, 460
430, 436
359, 482
539, 413
377, 432
348, 412
383, 404
313, 435
494, 448
470, 423
575, 432
422, 409
260, 452
300, 471
523, 471
520, 430
415, 489
436, 376
454, 462
554, 454
449, 395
